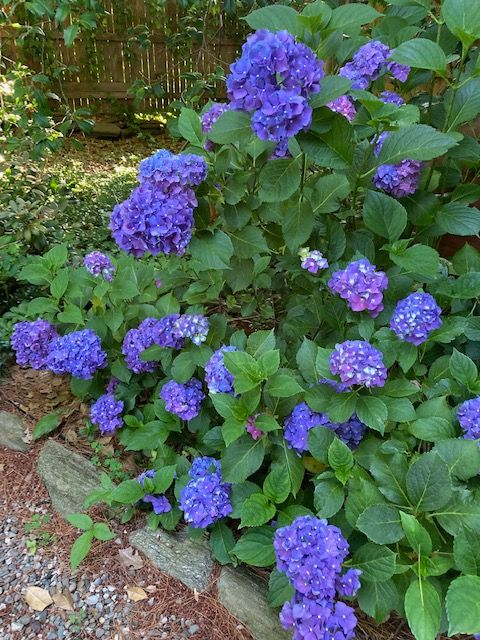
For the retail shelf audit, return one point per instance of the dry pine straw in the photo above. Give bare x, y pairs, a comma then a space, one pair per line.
31, 394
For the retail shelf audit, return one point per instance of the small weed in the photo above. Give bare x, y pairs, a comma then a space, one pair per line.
39, 535
109, 462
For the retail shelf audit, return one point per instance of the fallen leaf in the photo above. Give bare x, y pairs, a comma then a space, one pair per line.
195, 595
63, 600
38, 598
151, 588
71, 436
128, 558
136, 594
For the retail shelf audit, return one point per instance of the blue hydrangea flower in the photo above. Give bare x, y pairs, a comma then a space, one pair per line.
361, 286
31, 342
390, 97
205, 498
350, 432
170, 172
312, 261
344, 106
298, 424
358, 362
106, 413
79, 353
217, 376
136, 341
398, 71
210, 117
165, 333
160, 503
311, 619
281, 150
348, 584
98, 264
283, 114
415, 317
183, 400
192, 326
367, 64
468, 414
400, 179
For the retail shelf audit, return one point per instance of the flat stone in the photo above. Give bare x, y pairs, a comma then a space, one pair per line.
12, 432
106, 130
245, 596
176, 555
68, 476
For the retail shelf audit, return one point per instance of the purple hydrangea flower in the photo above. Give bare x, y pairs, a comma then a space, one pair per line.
390, 97
136, 341
165, 333
183, 400
468, 414
112, 385
154, 221
367, 64
217, 376
281, 150
210, 117
350, 432
400, 179
298, 424
192, 326
79, 353
170, 172
361, 286
252, 429
106, 413
358, 362
98, 264
283, 114
339, 387
160, 503
205, 498
344, 106
348, 584
310, 619
415, 317
312, 261
398, 71
31, 342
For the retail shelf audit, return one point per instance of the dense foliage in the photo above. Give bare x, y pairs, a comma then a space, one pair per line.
299, 350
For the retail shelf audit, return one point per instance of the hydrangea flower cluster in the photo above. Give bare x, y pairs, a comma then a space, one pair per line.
31, 342
350, 432
136, 341
312, 261
281, 150
311, 552
390, 97
274, 78
369, 62
345, 106
358, 362
415, 317
298, 424
361, 286
468, 414
192, 326
79, 353
210, 117
205, 498
252, 429
158, 215
98, 264
400, 179
183, 400
106, 413
217, 376
160, 503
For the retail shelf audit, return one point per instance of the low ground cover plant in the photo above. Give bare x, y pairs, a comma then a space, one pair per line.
279, 338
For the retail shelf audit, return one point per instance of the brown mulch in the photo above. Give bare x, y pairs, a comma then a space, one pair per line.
32, 394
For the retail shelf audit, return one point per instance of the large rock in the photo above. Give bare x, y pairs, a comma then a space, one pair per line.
68, 476
176, 555
12, 432
245, 596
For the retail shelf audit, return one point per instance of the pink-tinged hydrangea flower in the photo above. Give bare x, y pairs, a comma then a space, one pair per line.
252, 429
79, 353
170, 172
415, 317
98, 264
160, 503
390, 97
282, 115
192, 326
468, 414
205, 498
106, 413
210, 117
400, 179
312, 261
298, 424
31, 342
358, 362
367, 64
183, 400
136, 341
344, 106
217, 376
361, 286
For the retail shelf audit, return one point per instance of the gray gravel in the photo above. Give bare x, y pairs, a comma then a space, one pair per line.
101, 610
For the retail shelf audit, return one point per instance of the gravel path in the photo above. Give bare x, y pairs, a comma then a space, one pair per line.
100, 610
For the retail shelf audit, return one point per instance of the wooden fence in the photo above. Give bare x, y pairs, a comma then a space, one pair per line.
111, 59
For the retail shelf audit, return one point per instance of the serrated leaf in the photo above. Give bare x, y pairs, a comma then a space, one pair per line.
242, 458
428, 482
463, 605
257, 510
255, 547
276, 485
328, 497
45, 425
376, 562
381, 524
423, 610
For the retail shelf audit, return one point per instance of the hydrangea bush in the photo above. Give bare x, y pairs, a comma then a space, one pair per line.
278, 338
